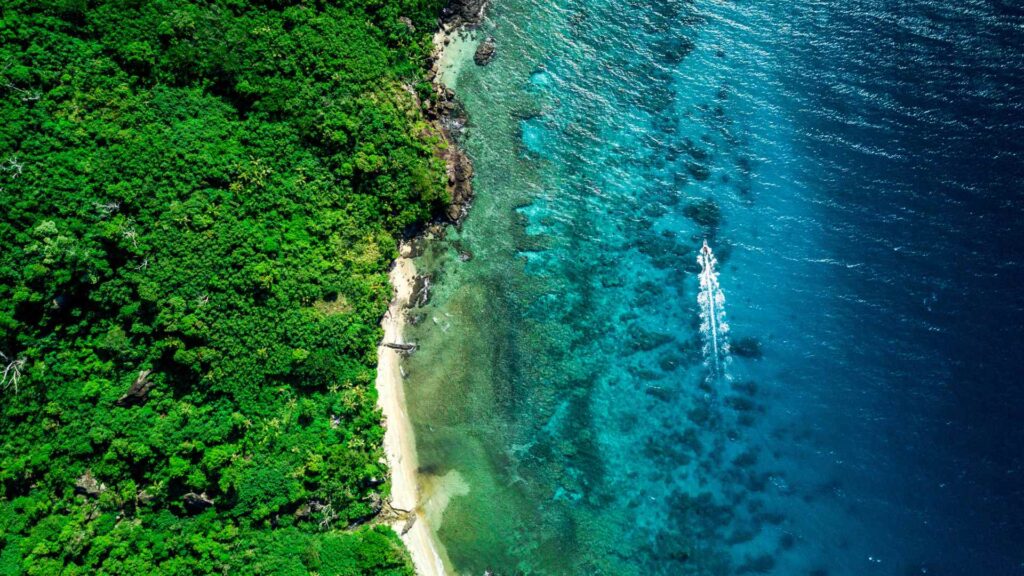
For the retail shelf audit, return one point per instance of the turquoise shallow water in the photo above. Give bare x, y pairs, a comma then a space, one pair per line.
855, 167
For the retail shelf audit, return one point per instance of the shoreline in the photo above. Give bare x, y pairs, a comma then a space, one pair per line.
399, 439
411, 518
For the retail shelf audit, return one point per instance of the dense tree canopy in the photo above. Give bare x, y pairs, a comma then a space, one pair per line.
200, 200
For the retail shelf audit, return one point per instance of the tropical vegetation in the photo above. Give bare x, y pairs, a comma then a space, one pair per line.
200, 200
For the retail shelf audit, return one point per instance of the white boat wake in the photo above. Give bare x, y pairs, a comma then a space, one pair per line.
713, 326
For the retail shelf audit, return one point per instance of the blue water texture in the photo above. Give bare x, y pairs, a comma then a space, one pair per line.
857, 168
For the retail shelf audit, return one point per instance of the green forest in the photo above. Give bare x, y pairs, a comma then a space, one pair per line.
200, 202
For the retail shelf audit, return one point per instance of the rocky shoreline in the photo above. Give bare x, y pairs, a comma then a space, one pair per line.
406, 509
449, 116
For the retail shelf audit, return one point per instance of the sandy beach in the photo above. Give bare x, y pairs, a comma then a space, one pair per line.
399, 440
452, 49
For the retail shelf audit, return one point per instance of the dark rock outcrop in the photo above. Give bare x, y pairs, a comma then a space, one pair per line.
448, 115
420, 292
485, 52
463, 12
460, 183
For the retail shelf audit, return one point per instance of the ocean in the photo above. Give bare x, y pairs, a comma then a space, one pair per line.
855, 169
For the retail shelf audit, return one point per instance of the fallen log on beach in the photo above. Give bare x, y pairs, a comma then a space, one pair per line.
400, 346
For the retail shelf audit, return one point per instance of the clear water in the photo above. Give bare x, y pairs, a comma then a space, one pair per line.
856, 168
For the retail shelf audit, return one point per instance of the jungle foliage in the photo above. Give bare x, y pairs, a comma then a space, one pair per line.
200, 199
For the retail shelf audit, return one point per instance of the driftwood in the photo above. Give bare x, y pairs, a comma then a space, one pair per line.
389, 513
409, 521
400, 346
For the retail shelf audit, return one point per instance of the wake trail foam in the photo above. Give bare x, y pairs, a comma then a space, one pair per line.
713, 326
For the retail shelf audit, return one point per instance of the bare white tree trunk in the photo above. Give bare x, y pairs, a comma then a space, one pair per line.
11, 372
12, 165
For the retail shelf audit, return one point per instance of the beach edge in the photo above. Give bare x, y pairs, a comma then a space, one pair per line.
399, 439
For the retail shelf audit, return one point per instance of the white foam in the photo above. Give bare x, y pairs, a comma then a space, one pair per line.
713, 326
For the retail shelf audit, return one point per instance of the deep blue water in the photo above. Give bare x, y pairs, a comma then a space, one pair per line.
856, 167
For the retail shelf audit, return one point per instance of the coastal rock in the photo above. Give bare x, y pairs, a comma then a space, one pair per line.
463, 12
448, 109
447, 114
484, 52
460, 183
420, 292
413, 248
463, 172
